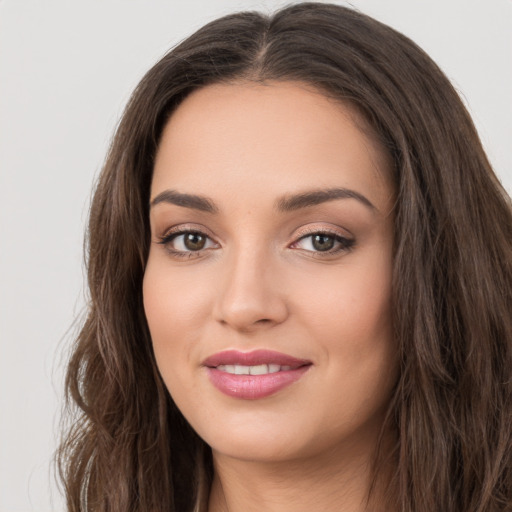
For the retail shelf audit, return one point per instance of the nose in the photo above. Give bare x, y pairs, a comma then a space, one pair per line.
250, 296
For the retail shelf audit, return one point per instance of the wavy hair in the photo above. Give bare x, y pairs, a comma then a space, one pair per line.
129, 448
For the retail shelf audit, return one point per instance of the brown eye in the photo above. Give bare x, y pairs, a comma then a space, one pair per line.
328, 243
194, 241
323, 242
187, 242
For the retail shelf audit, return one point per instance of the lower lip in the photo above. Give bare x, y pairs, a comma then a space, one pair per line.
253, 387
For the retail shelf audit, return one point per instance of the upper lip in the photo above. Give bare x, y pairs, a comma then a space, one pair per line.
253, 358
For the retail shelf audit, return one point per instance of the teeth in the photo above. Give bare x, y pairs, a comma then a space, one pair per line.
241, 370
260, 369
273, 368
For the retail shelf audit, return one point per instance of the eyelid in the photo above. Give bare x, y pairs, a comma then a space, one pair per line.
186, 228
345, 243
342, 236
313, 229
322, 228
176, 231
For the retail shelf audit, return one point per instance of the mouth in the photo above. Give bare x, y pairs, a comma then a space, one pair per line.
259, 369
253, 375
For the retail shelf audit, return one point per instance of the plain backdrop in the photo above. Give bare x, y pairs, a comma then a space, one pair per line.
66, 71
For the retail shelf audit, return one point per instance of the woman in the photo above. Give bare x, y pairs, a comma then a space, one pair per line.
300, 279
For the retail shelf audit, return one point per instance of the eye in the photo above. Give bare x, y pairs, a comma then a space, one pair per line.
187, 242
324, 242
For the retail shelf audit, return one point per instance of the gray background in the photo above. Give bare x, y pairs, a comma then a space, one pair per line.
66, 70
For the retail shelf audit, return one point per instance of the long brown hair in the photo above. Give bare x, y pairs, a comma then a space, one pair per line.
130, 449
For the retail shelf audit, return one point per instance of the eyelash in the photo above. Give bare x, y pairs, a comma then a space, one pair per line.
168, 238
344, 244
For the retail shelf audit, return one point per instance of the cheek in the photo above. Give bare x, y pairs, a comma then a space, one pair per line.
351, 323
352, 306
354, 332
176, 310
174, 299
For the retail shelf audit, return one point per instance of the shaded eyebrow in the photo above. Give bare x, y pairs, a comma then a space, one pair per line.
315, 197
286, 203
193, 201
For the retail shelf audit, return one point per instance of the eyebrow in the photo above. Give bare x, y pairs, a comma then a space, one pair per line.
286, 203
315, 197
192, 201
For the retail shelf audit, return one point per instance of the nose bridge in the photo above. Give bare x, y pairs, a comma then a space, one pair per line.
249, 297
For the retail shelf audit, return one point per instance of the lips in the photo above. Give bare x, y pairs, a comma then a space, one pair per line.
253, 375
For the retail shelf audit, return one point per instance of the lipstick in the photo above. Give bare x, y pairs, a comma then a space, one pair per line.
253, 375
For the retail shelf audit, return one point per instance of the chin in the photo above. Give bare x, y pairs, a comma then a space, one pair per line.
259, 437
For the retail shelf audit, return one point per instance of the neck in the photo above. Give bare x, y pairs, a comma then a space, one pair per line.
336, 481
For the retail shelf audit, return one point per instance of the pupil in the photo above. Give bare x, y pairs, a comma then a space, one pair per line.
323, 242
194, 241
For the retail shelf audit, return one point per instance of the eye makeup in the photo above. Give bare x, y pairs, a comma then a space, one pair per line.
188, 242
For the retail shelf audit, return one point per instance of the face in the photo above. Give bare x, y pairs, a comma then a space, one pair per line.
267, 288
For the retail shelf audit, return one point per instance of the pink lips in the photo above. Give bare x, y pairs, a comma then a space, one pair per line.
252, 387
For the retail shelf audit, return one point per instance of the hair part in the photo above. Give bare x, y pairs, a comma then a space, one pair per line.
452, 278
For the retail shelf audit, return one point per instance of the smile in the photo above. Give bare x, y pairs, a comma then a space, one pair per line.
253, 375
260, 369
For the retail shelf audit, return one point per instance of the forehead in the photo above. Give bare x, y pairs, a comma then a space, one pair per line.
268, 139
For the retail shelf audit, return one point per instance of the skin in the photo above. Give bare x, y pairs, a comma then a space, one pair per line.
260, 283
